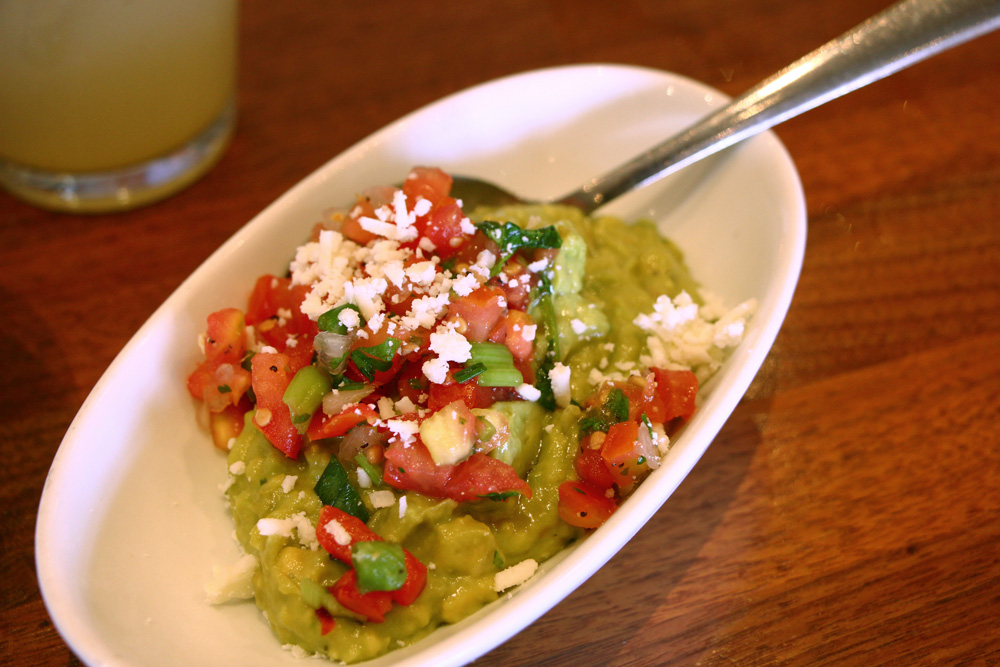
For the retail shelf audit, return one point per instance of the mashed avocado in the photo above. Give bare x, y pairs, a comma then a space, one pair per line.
605, 274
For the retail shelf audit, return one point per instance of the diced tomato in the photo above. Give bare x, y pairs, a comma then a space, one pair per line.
375, 339
225, 344
411, 382
271, 375
677, 390
411, 467
355, 528
364, 207
470, 393
444, 229
482, 476
358, 531
322, 426
592, 468
583, 505
481, 310
416, 579
431, 183
518, 285
620, 451
517, 324
373, 605
227, 424
326, 621
275, 311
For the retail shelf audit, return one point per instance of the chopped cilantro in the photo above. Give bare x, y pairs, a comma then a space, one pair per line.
370, 360
510, 238
330, 320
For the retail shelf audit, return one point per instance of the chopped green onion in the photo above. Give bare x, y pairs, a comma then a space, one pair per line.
373, 474
485, 430
491, 354
379, 566
305, 393
370, 360
469, 372
501, 377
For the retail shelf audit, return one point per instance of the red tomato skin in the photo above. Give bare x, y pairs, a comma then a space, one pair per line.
373, 605
271, 298
470, 393
225, 343
444, 229
271, 375
322, 426
517, 342
481, 310
326, 621
620, 442
357, 529
416, 580
591, 468
678, 390
430, 183
583, 505
411, 467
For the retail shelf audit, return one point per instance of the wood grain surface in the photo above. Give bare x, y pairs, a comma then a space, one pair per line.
849, 511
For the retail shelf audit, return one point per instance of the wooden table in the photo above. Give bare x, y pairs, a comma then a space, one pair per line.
849, 511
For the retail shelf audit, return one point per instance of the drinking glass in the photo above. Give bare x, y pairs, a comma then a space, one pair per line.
110, 104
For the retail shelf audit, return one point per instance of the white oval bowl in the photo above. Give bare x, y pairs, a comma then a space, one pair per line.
132, 519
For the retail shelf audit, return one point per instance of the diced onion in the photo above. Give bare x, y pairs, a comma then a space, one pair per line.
332, 347
335, 402
644, 443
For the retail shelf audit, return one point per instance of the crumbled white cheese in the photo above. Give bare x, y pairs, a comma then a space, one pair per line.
234, 582
559, 376
237, 468
528, 392
338, 532
682, 335
402, 506
450, 345
514, 575
288, 483
404, 429
382, 498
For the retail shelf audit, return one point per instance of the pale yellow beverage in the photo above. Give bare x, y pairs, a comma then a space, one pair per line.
91, 89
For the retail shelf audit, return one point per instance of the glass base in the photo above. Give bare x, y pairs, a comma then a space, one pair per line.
119, 190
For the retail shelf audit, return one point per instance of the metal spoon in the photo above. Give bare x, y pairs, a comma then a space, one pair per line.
900, 36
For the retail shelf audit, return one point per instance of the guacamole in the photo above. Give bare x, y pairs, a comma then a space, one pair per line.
482, 437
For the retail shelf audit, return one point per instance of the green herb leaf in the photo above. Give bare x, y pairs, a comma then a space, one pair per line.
510, 238
497, 560
370, 360
499, 495
225, 389
373, 473
334, 488
330, 320
616, 405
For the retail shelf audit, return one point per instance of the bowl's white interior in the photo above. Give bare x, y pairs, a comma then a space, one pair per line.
132, 520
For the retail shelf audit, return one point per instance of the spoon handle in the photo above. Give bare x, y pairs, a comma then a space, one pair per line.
900, 36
